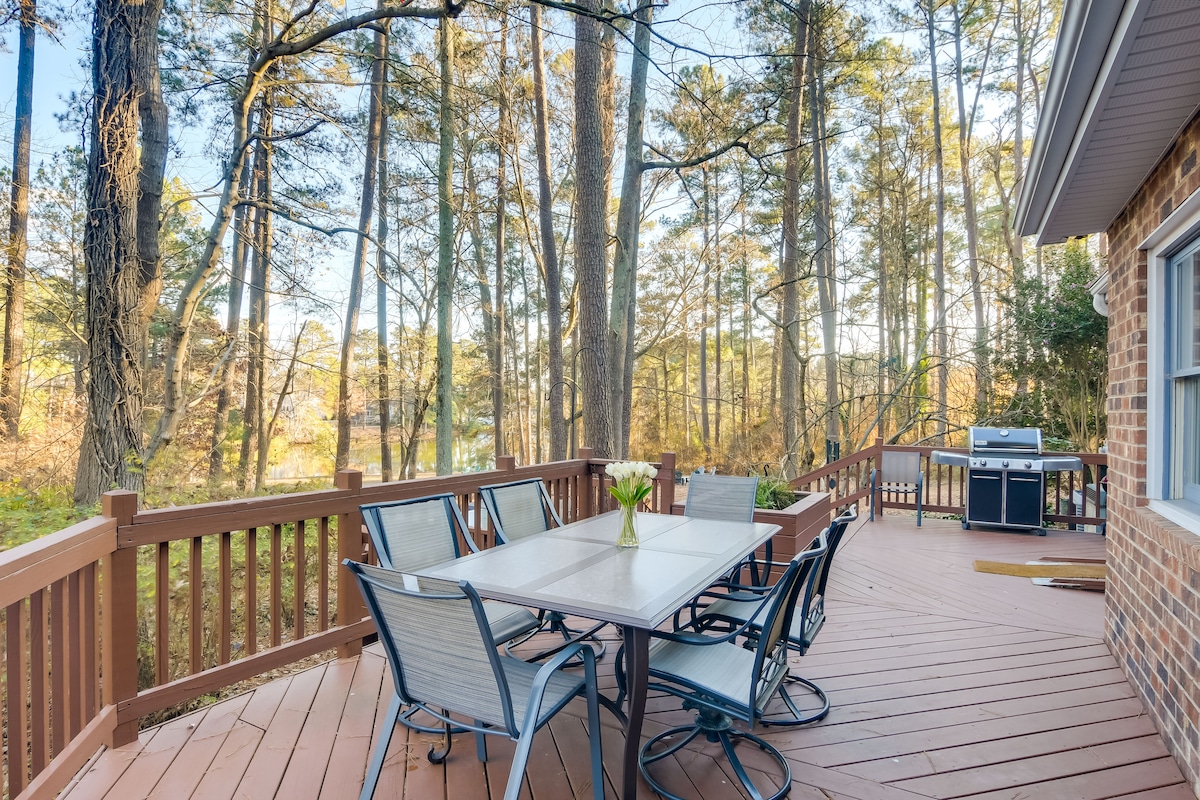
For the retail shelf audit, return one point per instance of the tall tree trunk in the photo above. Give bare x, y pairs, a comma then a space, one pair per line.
445, 266
982, 367
151, 168
939, 244
1018, 246
716, 260
881, 380
706, 249
18, 222
591, 200
383, 357
558, 427
233, 322
622, 312
496, 346
119, 76
823, 236
260, 278
790, 261
366, 211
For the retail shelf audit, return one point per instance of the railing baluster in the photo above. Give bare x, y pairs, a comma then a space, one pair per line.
251, 612
276, 584
59, 697
323, 573
91, 660
75, 671
16, 688
162, 614
298, 589
196, 605
39, 699
225, 591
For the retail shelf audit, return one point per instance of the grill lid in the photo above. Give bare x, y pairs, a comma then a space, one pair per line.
1023, 441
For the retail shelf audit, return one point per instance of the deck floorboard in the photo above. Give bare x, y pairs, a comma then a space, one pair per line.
945, 683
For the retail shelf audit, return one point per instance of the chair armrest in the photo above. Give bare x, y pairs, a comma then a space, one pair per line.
538, 689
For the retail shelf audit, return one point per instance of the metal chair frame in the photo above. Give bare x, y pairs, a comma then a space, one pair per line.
898, 472
765, 677
506, 621
377, 584
554, 621
744, 606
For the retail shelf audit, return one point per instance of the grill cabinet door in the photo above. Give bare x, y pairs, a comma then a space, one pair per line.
1026, 494
985, 496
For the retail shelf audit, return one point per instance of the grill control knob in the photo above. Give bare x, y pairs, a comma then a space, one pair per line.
1028, 465
983, 462
1004, 464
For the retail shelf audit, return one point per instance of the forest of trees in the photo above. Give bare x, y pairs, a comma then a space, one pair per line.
754, 233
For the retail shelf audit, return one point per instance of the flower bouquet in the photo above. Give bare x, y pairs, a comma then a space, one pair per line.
631, 485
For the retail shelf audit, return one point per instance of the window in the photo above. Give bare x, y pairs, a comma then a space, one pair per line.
1182, 306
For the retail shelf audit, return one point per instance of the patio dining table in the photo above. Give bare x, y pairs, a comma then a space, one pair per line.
578, 569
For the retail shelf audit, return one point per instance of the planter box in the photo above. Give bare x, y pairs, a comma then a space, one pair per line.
800, 523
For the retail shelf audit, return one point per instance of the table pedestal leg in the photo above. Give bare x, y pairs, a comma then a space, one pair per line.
637, 663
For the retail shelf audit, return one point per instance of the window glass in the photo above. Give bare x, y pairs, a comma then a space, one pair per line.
1183, 373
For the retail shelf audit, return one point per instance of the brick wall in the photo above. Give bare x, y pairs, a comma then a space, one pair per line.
1153, 601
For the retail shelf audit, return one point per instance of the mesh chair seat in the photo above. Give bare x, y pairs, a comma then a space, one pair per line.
508, 621
720, 671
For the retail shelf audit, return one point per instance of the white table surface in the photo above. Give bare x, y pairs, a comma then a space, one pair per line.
579, 570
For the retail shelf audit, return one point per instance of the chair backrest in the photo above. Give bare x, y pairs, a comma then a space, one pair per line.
897, 467
837, 529
438, 645
771, 650
725, 497
408, 535
519, 509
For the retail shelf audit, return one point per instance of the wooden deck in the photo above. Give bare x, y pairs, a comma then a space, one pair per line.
945, 683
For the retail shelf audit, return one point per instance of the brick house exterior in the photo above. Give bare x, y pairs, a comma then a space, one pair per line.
1153, 605
1116, 152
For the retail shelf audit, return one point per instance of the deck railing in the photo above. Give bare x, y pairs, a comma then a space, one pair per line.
136, 611
1073, 497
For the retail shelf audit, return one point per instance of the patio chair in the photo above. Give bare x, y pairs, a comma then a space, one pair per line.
409, 535
747, 606
723, 680
520, 509
728, 497
444, 661
900, 473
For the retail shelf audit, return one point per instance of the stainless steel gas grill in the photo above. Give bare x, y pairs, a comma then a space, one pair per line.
1006, 476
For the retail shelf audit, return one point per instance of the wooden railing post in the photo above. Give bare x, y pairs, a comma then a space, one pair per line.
667, 487
506, 463
350, 606
119, 641
587, 493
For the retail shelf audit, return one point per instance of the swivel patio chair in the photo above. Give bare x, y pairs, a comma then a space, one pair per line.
746, 606
409, 535
898, 473
444, 661
723, 680
518, 510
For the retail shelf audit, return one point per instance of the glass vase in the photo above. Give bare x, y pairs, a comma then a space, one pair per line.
628, 537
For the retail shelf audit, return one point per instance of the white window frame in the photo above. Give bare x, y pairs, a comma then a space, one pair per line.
1173, 235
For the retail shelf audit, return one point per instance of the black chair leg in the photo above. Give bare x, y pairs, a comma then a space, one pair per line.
799, 717
555, 622
717, 728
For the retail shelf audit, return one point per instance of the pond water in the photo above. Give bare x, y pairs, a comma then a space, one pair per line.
311, 461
